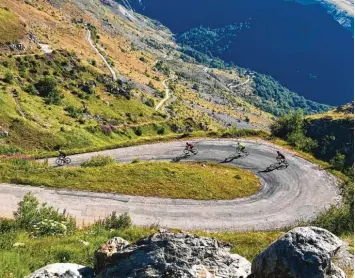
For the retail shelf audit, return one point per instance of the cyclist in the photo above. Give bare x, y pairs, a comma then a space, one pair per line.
280, 157
189, 146
240, 147
62, 154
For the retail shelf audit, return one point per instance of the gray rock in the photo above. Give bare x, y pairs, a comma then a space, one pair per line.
103, 255
176, 255
63, 271
302, 252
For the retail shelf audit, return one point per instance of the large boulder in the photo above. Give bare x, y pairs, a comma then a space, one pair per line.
302, 252
103, 255
63, 271
176, 255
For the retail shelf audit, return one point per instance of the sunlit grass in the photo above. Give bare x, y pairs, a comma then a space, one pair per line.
161, 179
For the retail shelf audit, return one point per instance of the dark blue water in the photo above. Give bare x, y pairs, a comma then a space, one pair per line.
301, 46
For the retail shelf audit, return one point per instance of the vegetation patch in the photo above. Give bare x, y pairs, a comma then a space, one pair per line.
11, 28
161, 179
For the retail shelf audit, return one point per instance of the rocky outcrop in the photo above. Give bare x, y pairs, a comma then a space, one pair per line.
63, 271
103, 255
176, 255
302, 252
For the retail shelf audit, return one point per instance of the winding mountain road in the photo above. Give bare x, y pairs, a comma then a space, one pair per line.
290, 194
112, 71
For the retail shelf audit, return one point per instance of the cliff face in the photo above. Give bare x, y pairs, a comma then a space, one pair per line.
334, 132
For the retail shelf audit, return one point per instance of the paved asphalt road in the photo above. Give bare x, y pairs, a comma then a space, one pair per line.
298, 192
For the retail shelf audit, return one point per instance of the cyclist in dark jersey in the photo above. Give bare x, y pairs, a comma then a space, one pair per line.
62, 154
280, 157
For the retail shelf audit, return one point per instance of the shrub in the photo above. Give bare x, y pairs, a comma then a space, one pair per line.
290, 123
46, 85
54, 97
339, 219
49, 227
9, 77
99, 161
9, 150
73, 111
31, 89
338, 161
7, 225
138, 131
149, 102
301, 142
136, 160
113, 221
42, 219
161, 130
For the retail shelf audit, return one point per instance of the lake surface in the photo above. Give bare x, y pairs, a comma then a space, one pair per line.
299, 45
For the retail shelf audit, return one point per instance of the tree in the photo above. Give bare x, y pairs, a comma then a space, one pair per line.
46, 85
338, 161
288, 124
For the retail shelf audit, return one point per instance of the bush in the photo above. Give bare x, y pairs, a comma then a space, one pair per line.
99, 161
339, 219
9, 150
161, 130
54, 97
46, 85
42, 219
73, 111
9, 77
49, 227
338, 161
7, 225
149, 102
113, 221
138, 131
288, 124
301, 142
31, 89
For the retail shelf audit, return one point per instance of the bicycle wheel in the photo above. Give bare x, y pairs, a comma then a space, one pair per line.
186, 152
194, 151
59, 162
67, 160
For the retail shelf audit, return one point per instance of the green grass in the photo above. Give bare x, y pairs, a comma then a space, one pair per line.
11, 28
160, 179
38, 252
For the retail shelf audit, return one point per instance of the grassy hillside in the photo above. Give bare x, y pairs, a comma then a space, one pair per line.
11, 27
66, 99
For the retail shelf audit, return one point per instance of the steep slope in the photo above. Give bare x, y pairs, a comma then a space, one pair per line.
334, 131
67, 98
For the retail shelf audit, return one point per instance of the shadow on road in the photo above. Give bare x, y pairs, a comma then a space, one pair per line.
234, 156
180, 157
275, 166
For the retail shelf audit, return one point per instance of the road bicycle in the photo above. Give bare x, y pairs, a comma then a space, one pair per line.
281, 160
188, 151
60, 161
